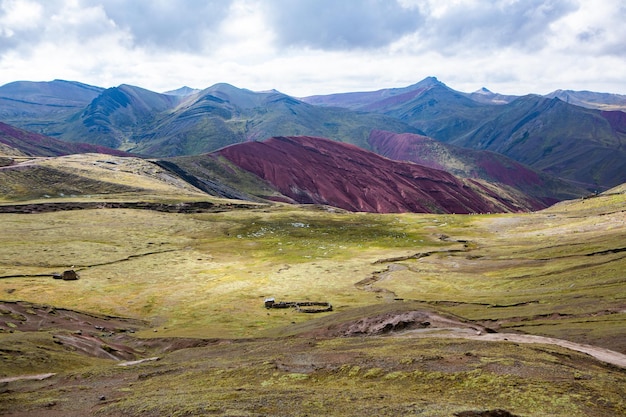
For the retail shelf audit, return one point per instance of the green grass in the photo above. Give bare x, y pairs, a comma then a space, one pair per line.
206, 275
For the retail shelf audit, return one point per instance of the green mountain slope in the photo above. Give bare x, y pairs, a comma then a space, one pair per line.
571, 142
583, 146
44, 107
118, 115
223, 115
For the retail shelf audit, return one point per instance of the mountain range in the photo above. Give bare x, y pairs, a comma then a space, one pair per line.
544, 148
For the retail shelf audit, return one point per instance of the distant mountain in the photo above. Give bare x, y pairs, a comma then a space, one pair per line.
223, 115
183, 91
19, 142
591, 100
162, 125
44, 107
467, 163
118, 116
583, 146
488, 97
361, 100
321, 171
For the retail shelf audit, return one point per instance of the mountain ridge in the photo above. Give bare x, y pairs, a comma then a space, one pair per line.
583, 146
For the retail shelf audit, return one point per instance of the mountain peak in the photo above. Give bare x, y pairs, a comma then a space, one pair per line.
183, 91
428, 82
483, 90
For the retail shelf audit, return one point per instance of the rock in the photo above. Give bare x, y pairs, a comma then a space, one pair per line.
69, 275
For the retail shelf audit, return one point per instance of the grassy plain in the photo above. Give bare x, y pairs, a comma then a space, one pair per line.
559, 273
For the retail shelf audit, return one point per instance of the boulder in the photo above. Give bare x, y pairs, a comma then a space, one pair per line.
69, 275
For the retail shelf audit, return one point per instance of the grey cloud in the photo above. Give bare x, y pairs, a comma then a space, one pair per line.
52, 26
340, 24
493, 24
605, 38
175, 25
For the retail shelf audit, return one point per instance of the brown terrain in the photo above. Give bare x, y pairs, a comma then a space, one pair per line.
321, 171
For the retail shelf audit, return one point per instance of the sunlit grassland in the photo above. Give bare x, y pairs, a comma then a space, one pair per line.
558, 272
201, 274
522, 268
207, 274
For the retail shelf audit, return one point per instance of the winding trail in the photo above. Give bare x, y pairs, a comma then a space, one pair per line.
602, 354
38, 377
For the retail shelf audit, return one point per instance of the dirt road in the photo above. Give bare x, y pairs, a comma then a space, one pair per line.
602, 354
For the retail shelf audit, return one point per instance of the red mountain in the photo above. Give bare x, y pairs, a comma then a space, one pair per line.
34, 144
469, 163
320, 171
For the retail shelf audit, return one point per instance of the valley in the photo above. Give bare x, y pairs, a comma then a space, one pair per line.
439, 306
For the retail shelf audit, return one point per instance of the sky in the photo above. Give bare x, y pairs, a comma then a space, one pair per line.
307, 47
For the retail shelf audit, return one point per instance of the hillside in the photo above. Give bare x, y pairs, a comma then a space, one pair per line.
24, 143
320, 171
467, 163
583, 146
44, 107
91, 177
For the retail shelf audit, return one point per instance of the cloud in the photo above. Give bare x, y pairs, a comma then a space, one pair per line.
594, 31
18, 22
340, 24
26, 25
305, 47
481, 26
164, 24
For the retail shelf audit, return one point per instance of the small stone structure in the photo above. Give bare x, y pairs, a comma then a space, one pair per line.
314, 306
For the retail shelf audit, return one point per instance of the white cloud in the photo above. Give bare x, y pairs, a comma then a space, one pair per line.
312, 47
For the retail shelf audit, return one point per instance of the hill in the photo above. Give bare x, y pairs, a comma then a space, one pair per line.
20, 142
91, 177
467, 163
215, 175
320, 171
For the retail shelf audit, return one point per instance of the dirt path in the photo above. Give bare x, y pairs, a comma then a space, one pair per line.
38, 377
602, 354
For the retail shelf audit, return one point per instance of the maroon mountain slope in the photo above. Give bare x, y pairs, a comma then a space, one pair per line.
321, 171
34, 144
469, 163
